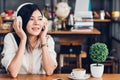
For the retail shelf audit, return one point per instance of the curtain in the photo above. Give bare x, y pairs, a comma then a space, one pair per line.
116, 5
115, 29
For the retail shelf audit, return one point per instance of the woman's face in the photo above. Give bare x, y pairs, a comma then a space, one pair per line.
35, 23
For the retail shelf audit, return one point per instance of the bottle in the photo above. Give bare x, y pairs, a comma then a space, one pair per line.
70, 22
102, 14
71, 19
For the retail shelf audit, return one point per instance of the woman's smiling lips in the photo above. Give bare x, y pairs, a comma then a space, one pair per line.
35, 28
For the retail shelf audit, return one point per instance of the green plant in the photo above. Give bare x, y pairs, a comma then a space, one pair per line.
98, 52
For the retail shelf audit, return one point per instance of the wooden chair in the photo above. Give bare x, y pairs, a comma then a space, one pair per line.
111, 65
70, 49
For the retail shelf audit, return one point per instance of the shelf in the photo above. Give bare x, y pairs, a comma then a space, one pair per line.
4, 31
8, 20
65, 32
99, 20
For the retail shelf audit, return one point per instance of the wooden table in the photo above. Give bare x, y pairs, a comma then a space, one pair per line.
55, 76
93, 32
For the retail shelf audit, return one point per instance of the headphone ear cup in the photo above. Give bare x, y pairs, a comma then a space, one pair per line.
19, 20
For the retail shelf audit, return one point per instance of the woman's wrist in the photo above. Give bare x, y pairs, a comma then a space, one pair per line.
23, 39
43, 45
43, 42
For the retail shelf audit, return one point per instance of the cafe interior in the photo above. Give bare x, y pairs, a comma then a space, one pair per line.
75, 26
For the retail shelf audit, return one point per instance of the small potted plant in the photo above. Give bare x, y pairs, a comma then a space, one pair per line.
98, 53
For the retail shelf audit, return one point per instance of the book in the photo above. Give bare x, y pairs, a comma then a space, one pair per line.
83, 19
84, 24
78, 26
81, 29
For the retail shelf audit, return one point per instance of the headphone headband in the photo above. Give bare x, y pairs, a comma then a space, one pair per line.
21, 7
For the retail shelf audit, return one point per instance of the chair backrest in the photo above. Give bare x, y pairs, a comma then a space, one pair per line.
70, 45
70, 40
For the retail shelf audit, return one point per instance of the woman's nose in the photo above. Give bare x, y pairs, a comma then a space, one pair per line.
35, 22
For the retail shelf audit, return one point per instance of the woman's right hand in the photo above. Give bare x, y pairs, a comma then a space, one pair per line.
18, 29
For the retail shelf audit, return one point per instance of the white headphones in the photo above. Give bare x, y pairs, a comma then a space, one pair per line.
19, 18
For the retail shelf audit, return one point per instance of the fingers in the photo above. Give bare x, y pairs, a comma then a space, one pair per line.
20, 26
46, 24
15, 24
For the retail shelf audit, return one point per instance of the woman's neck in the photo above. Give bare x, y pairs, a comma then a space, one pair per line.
32, 38
33, 41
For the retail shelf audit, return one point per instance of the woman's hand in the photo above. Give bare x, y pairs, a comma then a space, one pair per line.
45, 27
17, 25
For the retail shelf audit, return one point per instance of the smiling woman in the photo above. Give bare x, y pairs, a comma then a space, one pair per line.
35, 49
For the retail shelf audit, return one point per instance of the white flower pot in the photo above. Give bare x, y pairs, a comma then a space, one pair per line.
97, 71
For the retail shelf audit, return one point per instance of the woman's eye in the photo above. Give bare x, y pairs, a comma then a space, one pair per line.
31, 19
40, 19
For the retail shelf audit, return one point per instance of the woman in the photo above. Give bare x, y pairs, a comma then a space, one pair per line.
35, 53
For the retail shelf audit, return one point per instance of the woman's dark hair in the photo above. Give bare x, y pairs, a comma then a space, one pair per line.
25, 13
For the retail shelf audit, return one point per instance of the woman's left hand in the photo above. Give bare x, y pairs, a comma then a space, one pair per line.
45, 29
